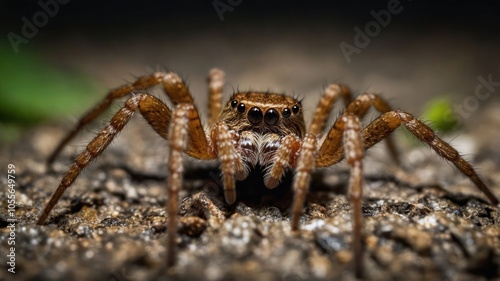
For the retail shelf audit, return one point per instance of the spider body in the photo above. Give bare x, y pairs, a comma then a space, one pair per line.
258, 121
264, 113
254, 130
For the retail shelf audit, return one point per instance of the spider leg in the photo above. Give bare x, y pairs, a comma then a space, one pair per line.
154, 111
325, 105
349, 128
285, 155
198, 144
173, 85
390, 121
331, 150
232, 165
354, 152
360, 106
215, 84
306, 161
302, 178
177, 142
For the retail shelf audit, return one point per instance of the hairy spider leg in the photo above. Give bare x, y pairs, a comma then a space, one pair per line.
349, 127
231, 162
285, 156
376, 131
354, 153
331, 151
215, 85
178, 133
172, 84
325, 105
154, 111
390, 121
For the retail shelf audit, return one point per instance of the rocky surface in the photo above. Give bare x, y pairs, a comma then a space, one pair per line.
425, 222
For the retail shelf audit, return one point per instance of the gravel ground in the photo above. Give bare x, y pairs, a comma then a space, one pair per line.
422, 223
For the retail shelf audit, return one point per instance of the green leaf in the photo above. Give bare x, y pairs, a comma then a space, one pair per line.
440, 115
33, 91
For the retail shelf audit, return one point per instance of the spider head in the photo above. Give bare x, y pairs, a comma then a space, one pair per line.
263, 113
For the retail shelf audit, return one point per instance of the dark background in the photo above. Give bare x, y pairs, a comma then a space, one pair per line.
109, 16
429, 50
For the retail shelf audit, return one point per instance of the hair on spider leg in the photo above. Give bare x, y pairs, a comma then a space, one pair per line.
158, 68
185, 79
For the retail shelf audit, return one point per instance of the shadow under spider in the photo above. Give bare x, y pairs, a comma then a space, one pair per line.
252, 191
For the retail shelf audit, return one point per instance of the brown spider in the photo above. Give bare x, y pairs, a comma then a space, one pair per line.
256, 128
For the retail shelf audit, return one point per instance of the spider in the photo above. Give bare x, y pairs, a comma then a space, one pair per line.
256, 128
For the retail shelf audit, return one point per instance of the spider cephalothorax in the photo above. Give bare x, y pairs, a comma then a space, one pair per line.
264, 113
259, 121
256, 128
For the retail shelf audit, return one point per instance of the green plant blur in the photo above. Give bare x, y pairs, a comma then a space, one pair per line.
32, 91
437, 114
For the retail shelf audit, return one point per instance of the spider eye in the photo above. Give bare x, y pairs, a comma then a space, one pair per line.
234, 103
272, 116
295, 109
286, 112
241, 107
255, 115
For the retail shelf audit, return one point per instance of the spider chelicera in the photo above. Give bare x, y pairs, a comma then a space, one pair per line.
256, 128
